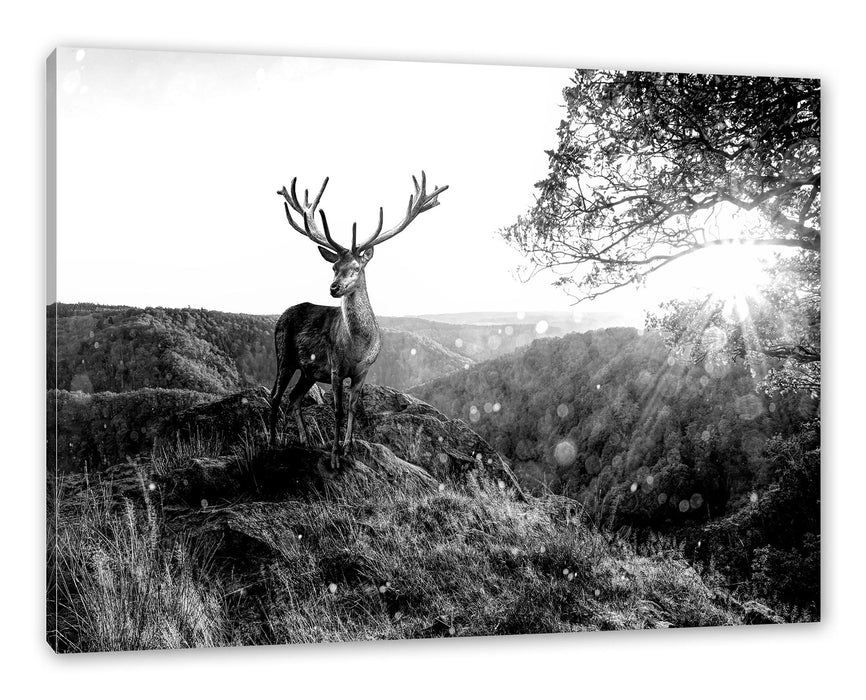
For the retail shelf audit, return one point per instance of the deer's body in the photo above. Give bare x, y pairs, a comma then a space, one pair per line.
318, 339
332, 344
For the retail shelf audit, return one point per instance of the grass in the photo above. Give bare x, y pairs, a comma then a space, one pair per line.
118, 586
367, 559
167, 456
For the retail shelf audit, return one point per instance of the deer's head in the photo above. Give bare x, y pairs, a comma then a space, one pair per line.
348, 268
349, 263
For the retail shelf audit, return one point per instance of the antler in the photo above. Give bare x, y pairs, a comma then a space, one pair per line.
308, 212
419, 202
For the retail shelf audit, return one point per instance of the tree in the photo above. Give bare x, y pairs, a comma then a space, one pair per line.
650, 169
647, 166
646, 159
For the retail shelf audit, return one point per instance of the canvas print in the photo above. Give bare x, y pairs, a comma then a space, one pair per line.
346, 350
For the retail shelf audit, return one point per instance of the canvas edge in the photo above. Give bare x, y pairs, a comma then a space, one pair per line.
51, 369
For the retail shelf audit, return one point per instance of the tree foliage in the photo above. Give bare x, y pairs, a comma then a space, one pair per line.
654, 167
647, 161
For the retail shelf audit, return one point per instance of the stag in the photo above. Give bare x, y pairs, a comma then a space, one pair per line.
333, 344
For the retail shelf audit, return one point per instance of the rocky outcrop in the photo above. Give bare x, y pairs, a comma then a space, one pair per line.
411, 429
407, 428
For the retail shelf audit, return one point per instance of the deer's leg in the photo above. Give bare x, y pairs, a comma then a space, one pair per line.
282, 381
354, 396
302, 386
336, 447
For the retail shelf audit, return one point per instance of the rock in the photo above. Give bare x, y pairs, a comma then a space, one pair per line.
227, 417
241, 539
421, 434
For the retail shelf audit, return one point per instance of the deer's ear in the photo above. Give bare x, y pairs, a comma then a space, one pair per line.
367, 255
329, 255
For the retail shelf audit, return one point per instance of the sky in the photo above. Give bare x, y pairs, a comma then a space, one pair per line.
168, 166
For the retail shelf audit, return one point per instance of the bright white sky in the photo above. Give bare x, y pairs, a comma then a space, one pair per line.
169, 163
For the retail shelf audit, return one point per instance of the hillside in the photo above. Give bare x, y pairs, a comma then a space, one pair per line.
424, 534
109, 348
651, 441
476, 341
93, 431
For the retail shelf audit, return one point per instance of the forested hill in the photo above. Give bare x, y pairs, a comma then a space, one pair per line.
649, 440
118, 348
586, 412
473, 340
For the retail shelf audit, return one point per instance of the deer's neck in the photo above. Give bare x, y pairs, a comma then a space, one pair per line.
358, 317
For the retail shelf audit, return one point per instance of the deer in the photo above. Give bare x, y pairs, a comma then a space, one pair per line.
332, 344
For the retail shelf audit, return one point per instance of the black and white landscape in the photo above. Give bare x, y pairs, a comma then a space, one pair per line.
595, 398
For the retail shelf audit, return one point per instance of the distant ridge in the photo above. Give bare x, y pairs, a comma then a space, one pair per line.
111, 347
103, 347
567, 321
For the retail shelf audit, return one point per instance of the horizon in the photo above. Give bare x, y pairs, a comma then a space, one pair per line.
522, 316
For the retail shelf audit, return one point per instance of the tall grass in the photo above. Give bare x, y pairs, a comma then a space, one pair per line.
168, 456
120, 584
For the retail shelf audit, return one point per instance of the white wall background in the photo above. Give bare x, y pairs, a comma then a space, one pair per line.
791, 38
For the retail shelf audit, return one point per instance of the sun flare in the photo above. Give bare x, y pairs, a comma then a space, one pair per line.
732, 271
